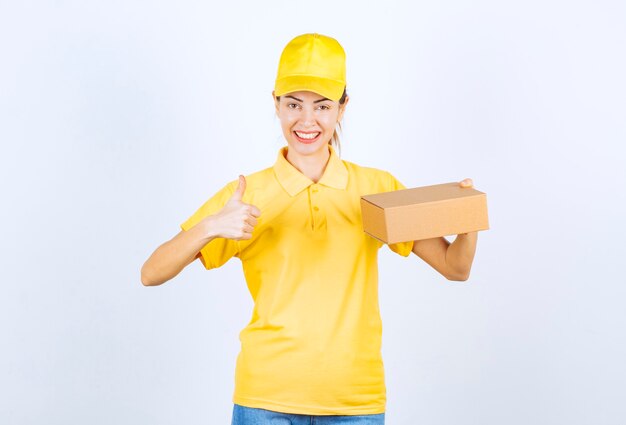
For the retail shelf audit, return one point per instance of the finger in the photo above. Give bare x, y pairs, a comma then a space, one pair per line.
467, 183
251, 220
255, 211
241, 188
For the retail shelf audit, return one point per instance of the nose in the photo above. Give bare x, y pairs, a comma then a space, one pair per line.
308, 117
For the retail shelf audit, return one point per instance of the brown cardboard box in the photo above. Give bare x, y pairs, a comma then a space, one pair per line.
424, 212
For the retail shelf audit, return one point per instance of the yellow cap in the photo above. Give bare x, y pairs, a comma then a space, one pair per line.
312, 62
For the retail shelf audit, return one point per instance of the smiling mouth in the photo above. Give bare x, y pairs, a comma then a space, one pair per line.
307, 137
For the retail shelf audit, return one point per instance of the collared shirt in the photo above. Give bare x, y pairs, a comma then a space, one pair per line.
313, 345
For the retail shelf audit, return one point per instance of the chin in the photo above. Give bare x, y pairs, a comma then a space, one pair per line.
307, 149
304, 148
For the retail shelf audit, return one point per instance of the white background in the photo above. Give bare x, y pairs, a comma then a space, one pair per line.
118, 119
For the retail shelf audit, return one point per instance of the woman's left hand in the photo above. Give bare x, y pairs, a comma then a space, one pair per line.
466, 183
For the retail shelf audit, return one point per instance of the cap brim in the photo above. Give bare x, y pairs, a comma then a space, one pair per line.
330, 89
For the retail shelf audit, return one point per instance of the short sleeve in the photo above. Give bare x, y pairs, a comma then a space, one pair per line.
401, 248
219, 250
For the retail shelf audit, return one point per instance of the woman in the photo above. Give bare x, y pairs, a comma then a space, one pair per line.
311, 351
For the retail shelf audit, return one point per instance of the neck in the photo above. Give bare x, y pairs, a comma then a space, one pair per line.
313, 165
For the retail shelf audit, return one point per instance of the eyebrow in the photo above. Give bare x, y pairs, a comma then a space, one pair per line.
300, 100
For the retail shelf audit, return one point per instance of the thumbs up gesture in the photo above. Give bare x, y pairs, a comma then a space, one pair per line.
237, 219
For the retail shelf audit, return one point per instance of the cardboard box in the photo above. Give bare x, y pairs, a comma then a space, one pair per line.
424, 212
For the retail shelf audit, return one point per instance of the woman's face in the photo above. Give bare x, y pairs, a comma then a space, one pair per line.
308, 120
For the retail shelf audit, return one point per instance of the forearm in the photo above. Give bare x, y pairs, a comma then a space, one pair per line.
173, 256
460, 254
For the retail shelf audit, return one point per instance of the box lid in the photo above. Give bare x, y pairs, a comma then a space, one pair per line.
437, 192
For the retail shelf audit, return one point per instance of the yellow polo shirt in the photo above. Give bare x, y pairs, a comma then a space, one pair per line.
313, 344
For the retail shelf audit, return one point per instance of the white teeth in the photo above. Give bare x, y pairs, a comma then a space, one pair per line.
307, 136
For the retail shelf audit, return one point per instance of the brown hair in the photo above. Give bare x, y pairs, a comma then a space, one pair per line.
334, 141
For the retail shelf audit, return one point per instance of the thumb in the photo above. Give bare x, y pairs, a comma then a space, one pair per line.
241, 188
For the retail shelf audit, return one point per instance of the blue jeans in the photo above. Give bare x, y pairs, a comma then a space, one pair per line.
243, 415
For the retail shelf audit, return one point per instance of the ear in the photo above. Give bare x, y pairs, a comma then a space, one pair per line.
276, 103
342, 108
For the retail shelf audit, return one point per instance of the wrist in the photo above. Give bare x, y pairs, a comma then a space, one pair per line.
210, 228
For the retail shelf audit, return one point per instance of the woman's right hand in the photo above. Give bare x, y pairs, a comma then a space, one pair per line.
237, 219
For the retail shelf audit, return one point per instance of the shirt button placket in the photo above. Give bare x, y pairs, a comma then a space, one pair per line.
314, 190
